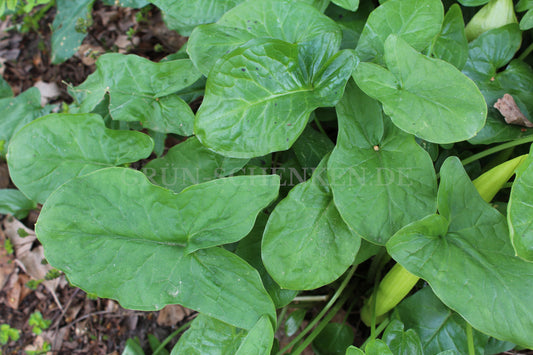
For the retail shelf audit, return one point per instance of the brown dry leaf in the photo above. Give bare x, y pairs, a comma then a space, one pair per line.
511, 112
31, 259
89, 54
172, 315
7, 266
13, 291
37, 345
123, 43
72, 313
56, 338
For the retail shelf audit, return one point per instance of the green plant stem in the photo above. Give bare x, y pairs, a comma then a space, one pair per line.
320, 128
379, 330
281, 317
320, 298
526, 52
470, 339
171, 336
334, 310
496, 149
330, 304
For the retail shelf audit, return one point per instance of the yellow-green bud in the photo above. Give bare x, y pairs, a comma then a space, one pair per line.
496, 13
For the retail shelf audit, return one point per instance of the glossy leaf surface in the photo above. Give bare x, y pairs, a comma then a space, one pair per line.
466, 239
451, 44
486, 56
427, 97
402, 341
141, 90
380, 177
261, 19
58, 147
147, 255
439, 327
260, 96
415, 21
306, 244
190, 163
208, 335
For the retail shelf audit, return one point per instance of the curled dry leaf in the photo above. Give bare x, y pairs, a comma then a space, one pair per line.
30, 259
172, 315
89, 54
49, 91
511, 112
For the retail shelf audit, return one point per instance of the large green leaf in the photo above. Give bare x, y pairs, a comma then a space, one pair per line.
451, 44
141, 90
439, 327
190, 163
17, 112
184, 16
520, 210
55, 148
306, 244
69, 28
466, 256
380, 177
249, 249
261, 19
415, 21
428, 106
487, 54
401, 341
491, 51
14, 202
209, 336
115, 234
259, 97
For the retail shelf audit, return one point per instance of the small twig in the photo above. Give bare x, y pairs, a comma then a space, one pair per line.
99, 313
64, 311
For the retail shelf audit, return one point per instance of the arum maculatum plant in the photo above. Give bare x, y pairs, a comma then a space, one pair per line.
331, 138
